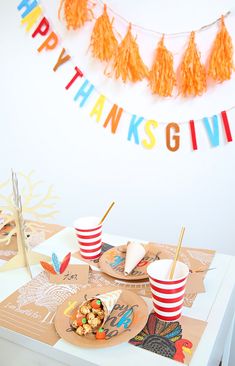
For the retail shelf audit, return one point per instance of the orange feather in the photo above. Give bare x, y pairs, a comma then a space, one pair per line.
48, 267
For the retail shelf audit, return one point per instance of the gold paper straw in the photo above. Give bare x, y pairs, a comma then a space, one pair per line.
106, 213
177, 253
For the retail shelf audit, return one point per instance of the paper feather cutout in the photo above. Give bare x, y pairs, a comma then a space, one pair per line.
55, 262
56, 267
48, 267
65, 263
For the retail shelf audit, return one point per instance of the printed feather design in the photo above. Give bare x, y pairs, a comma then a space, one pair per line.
55, 262
169, 327
64, 263
163, 338
174, 333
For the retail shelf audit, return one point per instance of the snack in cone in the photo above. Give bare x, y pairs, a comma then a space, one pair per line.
134, 253
108, 301
93, 313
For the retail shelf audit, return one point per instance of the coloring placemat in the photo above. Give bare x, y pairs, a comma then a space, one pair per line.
177, 340
198, 260
41, 231
31, 311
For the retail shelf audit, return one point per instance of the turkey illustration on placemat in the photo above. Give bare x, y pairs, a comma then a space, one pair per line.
31, 309
176, 340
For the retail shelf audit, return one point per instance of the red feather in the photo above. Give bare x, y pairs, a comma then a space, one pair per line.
47, 267
65, 262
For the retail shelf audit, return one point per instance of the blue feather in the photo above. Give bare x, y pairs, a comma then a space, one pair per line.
55, 262
177, 331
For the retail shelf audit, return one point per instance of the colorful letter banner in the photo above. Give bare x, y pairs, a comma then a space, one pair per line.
31, 12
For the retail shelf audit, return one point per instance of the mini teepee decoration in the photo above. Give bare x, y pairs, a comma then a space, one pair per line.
103, 42
76, 13
12, 212
162, 76
192, 71
127, 61
221, 57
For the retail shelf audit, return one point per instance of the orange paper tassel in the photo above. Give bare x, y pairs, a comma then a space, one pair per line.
221, 57
76, 13
103, 41
192, 72
162, 76
127, 61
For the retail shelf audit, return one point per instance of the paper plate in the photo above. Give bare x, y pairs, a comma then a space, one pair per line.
126, 320
112, 262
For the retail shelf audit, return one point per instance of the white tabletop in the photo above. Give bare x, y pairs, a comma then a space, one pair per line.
216, 306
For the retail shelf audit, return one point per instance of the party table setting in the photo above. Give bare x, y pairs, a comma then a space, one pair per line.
79, 294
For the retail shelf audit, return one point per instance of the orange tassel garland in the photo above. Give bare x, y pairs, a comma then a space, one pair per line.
127, 61
162, 76
192, 72
221, 57
103, 42
76, 13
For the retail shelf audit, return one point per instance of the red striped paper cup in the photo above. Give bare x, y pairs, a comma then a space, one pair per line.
89, 235
167, 295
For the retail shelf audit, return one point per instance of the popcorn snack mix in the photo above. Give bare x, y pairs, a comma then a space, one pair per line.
92, 314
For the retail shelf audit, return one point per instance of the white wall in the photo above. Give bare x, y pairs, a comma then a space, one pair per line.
156, 191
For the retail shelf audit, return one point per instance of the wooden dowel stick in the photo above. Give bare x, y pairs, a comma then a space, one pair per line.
106, 213
21, 239
177, 253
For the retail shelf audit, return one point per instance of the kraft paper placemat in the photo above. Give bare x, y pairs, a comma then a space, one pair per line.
42, 232
177, 340
196, 259
31, 311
